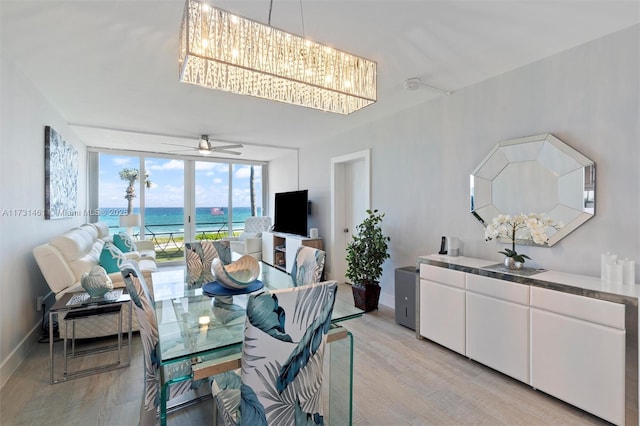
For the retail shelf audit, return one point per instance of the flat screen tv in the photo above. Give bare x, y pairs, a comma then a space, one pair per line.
291, 212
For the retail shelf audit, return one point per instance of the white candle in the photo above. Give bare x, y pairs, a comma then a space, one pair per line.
606, 259
628, 271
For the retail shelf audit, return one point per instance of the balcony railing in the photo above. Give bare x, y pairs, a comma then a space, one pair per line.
169, 244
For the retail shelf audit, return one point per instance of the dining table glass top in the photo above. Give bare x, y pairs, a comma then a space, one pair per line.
190, 323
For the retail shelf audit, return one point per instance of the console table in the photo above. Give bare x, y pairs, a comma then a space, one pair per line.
571, 336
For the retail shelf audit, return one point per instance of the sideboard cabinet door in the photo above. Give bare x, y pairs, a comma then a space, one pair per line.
442, 306
578, 360
498, 335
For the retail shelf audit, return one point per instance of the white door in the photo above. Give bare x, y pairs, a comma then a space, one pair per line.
350, 198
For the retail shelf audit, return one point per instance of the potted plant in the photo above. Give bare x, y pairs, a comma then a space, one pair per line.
522, 227
366, 253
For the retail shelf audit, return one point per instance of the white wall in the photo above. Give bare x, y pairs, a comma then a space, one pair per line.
24, 113
421, 158
283, 177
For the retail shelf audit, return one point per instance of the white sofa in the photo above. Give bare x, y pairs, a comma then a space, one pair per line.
66, 257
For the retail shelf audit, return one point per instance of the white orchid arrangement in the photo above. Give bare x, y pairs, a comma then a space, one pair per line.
533, 226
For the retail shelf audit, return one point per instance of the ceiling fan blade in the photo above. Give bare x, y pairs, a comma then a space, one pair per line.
224, 151
173, 144
236, 145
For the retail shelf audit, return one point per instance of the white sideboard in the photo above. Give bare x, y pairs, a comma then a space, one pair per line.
569, 336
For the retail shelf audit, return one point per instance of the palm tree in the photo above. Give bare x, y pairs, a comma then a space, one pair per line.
131, 176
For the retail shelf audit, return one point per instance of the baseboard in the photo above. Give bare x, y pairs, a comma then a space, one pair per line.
18, 355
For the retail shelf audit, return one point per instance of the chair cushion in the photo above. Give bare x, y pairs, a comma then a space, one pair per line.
124, 242
246, 235
111, 258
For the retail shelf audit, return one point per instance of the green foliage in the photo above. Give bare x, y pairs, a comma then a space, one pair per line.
516, 257
132, 175
367, 251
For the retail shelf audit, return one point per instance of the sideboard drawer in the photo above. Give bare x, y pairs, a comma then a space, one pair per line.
585, 308
499, 289
443, 275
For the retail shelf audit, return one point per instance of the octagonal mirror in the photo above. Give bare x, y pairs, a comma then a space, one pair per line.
536, 174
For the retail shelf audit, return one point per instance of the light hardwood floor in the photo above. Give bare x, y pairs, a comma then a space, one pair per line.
398, 380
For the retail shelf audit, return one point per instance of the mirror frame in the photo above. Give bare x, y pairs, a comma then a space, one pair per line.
565, 165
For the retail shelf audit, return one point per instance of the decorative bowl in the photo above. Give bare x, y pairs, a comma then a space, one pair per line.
238, 274
96, 282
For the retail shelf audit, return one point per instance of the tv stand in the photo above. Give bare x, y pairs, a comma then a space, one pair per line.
279, 249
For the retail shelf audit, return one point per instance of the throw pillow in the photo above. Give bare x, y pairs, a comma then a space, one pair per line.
111, 258
124, 242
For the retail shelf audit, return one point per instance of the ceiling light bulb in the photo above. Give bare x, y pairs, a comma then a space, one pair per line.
347, 84
235, 53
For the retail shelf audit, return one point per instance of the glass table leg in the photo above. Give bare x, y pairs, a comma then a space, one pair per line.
340, 381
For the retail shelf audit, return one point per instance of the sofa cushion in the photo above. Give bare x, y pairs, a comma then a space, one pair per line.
102, 228
111, 258
73, 244
124, 242
90, 229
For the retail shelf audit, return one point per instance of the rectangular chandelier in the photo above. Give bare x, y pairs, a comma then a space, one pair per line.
223, 51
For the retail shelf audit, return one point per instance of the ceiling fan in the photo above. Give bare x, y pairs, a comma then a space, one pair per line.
205, 147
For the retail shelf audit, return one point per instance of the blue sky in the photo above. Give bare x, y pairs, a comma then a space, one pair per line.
167, 178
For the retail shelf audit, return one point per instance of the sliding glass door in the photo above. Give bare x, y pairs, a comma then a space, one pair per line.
118, 192
225, 195
178, 200
164, 207
246, 193
211, 192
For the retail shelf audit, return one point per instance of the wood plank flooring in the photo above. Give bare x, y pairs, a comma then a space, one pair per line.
398, 380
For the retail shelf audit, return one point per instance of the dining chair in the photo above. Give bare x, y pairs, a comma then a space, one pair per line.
280, 379
199, 255
144, 308
308, 266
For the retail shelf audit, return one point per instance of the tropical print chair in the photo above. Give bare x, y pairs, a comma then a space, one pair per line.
308, 266
280, 379
199, 256
144, 308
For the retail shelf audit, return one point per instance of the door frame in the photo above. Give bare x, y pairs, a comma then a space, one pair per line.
337, 196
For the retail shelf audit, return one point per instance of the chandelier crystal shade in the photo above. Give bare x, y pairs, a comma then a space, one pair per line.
223, 51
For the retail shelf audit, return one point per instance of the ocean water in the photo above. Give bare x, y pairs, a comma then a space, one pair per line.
171, 219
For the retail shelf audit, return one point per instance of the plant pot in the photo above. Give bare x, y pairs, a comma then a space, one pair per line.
366, 297
510, 263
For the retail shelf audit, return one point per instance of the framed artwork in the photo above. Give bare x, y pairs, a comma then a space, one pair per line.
60, 176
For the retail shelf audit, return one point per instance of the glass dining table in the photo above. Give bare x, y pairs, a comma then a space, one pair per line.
201, 329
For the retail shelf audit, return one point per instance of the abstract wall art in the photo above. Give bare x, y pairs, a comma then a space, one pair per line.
60, 176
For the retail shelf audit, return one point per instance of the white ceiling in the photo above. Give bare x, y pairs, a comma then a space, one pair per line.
110, 66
